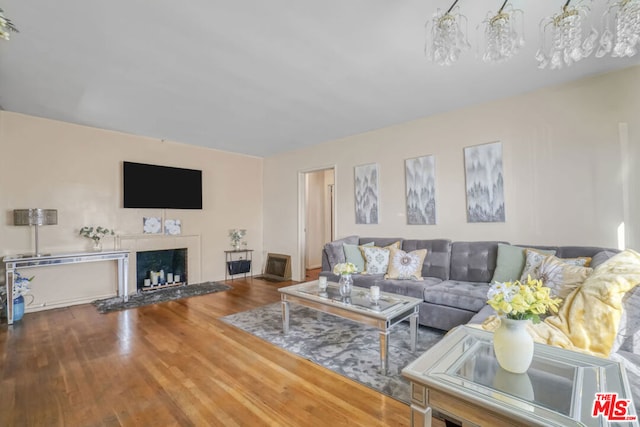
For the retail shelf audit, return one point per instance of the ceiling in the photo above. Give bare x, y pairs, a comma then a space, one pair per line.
252, 76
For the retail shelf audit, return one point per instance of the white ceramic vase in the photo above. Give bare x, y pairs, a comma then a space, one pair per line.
513, 345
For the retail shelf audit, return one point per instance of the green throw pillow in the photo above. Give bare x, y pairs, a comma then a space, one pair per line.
353, 255
510, 263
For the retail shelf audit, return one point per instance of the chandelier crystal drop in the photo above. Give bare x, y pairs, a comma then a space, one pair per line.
503, 33
561, 37
446, 36
626, 32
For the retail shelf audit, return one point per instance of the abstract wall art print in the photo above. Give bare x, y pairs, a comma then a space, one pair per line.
420, 176
485, 183
366, 196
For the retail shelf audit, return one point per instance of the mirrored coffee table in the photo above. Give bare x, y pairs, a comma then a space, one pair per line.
390, 310
459, 380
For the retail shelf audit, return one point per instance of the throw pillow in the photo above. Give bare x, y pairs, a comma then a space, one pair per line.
353, 255
510, 262
590, 317
376, 259
534, 258
404, 266
560, 276
600, 258
395, 245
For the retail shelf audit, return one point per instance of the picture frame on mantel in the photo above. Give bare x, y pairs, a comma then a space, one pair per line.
420, 179
484, 183
366, 194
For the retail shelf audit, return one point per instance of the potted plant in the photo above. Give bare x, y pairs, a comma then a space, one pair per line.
96, 234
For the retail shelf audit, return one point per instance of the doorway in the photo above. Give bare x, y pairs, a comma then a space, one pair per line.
318, 217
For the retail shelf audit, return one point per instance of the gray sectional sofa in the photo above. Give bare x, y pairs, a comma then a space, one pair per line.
457, 275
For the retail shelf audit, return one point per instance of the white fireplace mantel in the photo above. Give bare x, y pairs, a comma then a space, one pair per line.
156, 242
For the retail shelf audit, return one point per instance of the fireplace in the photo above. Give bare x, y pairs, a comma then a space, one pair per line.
278, 267
159, 268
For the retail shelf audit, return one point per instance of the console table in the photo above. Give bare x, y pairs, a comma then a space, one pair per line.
459, 380
14, 263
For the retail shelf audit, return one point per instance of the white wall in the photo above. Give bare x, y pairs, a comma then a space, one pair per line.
77, 170
562, 164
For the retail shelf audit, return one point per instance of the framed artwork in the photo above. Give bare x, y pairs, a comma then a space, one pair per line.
172, 227
420, 177
484, 183
151, 225
366, 197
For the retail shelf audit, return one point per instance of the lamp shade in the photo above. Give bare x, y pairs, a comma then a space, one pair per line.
35, 216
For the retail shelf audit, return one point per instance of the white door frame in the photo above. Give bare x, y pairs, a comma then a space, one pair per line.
302, 214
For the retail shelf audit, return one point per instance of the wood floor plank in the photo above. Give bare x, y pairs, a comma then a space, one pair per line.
174, 363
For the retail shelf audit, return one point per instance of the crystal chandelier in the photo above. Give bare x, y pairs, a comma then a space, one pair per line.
627, 29
6, 26
561, 37
445, 38
503, 33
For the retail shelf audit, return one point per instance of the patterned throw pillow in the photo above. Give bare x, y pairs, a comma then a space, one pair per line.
560, 276
405, 266
534, 258
376, 259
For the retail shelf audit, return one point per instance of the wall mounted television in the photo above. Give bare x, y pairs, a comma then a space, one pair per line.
153, 186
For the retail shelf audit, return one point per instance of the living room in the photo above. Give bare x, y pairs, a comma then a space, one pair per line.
570, 155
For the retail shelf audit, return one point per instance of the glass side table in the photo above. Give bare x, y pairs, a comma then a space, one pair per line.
459, 380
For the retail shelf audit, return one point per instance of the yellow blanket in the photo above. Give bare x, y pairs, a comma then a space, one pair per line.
590, 315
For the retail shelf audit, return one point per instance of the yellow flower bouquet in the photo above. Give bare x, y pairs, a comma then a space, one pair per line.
522, 301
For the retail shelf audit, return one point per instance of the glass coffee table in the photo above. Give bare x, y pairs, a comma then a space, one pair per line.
390, 310
459, 380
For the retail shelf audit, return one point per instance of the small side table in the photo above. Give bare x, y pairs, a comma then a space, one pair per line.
459, 380
235, 264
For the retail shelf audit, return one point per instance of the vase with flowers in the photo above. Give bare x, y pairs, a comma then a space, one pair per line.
345, 270
236, 234
20, 289
96, 235
518, 303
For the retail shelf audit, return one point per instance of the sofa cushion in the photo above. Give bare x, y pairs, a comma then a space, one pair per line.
354, 256
410, 288
510, 262
600, 258
580, 251
471, 296
438, 259
473, 261
628, 337
405, 265
381, 242
335, 250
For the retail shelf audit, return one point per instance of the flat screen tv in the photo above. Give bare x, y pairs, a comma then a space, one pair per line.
153, 186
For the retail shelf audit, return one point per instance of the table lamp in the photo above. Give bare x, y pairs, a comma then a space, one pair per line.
36, 217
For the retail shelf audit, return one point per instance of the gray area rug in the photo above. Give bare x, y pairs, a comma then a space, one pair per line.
153, 297
344, 346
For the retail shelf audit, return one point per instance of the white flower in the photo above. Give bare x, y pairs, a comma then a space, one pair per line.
345, 268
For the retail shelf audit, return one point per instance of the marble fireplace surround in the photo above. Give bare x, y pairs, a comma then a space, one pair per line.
142, 243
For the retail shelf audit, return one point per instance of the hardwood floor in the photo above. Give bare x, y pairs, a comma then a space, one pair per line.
170, 364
